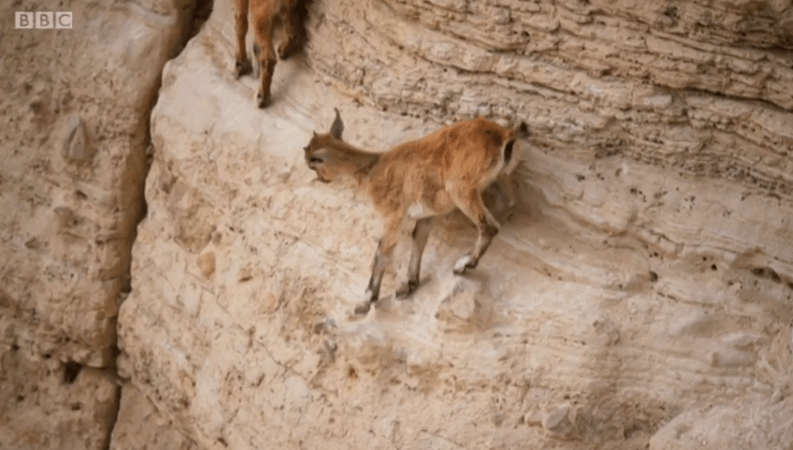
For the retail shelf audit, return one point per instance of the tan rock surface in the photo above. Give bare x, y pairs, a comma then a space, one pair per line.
141, 427
647, 273
765, 425
48, 405
74, 159
75, 109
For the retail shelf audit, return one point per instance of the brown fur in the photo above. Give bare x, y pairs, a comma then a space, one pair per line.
421, 179
268, 16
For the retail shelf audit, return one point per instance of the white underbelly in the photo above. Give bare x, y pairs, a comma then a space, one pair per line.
419, 210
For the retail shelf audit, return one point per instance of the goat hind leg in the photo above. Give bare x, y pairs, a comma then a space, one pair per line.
506, 187
242, 64
288, 40
421, 232
263, 33
471, 204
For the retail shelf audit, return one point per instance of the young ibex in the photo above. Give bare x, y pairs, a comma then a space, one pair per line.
421, 179
267, 17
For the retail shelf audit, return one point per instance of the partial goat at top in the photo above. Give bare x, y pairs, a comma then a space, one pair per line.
418, 180
267, 16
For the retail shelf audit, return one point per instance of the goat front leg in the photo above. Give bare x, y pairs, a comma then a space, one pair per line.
471, 204
421, 232
266, 58
382, 259
242, 64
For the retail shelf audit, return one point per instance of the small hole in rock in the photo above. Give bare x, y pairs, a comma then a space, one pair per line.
774, 276
713, 267
70, 371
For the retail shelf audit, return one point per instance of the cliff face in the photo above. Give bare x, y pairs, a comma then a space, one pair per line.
639, 295
74, 109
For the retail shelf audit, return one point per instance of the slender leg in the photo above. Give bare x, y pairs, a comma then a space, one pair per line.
257, 67
263, 32
382, 259
421, 232
242, 64
507, 189
287, 37
470, 203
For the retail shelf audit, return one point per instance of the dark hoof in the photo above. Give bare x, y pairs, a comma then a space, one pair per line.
284, 52
363, 309
406, 290
262, 100
464, 264
242, 68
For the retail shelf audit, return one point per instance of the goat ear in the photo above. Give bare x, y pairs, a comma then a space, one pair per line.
338, 126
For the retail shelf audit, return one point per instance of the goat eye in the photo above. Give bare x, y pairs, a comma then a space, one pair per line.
314, 159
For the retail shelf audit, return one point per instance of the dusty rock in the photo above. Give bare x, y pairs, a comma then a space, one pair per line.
206, 262
74, 109
141, 427
72, 175
647, 270
759, 425
51, 405
76, 147
560, 420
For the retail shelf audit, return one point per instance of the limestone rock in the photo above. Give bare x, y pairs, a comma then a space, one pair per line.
757, 425
51, 405
142, 427
76, 147
74, 165
560, 420
75, 110
647, 270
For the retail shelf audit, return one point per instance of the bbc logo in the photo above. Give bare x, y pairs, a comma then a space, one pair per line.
29, 20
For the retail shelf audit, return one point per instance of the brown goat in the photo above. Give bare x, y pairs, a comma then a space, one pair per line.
267, 17
421, 179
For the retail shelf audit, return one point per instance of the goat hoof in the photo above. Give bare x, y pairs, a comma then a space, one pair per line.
406, 290
463, 264
363, 308
282, 54
242, 68
284, 51
262, 100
